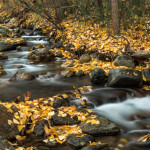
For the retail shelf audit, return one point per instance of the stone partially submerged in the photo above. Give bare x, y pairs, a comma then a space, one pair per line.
41, 55
125, 78
5, 45
99, 126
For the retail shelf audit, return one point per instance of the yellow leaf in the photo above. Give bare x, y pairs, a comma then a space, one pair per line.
15, 121
20, 127
10, 122
46, 130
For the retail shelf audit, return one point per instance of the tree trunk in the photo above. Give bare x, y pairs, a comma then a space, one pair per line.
115, 17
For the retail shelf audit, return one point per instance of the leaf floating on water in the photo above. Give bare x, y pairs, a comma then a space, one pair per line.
144, 138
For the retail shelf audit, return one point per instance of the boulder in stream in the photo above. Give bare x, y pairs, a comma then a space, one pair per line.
25, 76
41, 55
2, 72
125, 78
99, 126
97, 76
5, 45
79, 141
4, 31
146, 73
3, 56
63, 120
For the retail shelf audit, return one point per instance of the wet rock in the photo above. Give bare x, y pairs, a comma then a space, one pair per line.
78, 142
3, 56
2, 72
58, 54
125, 78
57, 45
28, 32
67, 73
19, 32
124, 61
95, 147
4, 46
4, 31
13, 22
23, 48
59, 102
16, 67
39, 129
146, 73
41, 55
52, 143
68, 64
4, 144
85, 58
79, 73
105, 127
97, 76
64, 120
25, 76
7, 131
14, 108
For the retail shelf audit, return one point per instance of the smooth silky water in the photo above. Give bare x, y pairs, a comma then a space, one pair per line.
131, 114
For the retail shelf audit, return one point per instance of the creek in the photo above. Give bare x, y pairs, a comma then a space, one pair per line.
131, 114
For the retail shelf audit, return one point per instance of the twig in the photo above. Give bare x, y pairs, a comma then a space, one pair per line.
3, 84
12, 77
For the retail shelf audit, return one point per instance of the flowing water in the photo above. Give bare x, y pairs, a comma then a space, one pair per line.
131, 114
47, 82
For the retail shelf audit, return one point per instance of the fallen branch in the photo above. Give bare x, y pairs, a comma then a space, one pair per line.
142, 54
12, 77
3, 84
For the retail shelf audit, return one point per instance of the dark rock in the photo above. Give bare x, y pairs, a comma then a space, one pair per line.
25, 76
14, 108
4, 46
2, 72
85, 58
95, 147
39, 129
68, 64
79, 73
3, 56
23, 48
59, 102
7, 131
6, 20
67, 120
58, 54
4, 31
78, 142
125, 78
146, 73
28, 32
105, 127
67, 73
97, 76
41, 55
52, 143
57, 45
16, 67
4, 144
124, 61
